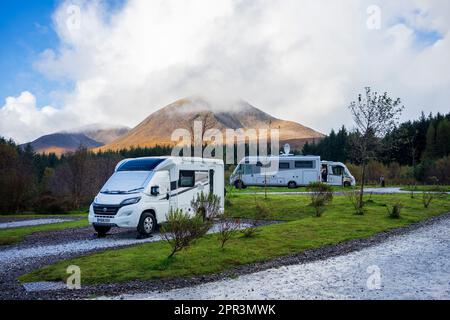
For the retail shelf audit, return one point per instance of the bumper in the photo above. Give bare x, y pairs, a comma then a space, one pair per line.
126, 217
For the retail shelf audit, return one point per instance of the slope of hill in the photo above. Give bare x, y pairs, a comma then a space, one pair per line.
91, 136
158, 127
60, 143
103, 133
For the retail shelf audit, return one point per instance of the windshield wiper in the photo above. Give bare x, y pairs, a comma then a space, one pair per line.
113, 192
121, 192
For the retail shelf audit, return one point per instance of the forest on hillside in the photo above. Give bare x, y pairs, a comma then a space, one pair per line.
414, 152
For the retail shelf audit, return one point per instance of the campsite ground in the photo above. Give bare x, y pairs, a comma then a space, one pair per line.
299, 231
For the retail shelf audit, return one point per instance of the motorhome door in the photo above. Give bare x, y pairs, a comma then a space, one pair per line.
335, 175
161, 181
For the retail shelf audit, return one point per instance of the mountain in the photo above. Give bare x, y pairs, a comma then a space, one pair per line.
91, 136
158, 127
60, 143
103, 133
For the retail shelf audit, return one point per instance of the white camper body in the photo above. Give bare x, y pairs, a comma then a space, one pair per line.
290, 171
141, 191
337, 174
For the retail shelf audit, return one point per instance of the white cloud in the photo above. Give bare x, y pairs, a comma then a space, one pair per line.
298, 60
21, 120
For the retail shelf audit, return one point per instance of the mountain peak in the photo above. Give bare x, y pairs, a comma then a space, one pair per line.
222, 114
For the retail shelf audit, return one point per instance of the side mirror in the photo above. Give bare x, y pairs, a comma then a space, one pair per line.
154, 191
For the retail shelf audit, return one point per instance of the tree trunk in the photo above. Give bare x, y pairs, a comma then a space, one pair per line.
363, 178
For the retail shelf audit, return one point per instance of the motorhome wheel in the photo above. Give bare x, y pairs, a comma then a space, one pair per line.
102, 230
147, 224
292, 185
239, 184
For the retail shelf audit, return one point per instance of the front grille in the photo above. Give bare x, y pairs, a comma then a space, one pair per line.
106, 210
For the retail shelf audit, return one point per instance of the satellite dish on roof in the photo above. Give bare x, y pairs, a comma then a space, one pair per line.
287, 149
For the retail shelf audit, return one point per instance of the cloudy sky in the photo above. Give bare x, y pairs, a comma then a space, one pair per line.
71, 63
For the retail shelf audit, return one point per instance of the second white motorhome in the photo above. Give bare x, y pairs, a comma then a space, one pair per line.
141, 191
291, 171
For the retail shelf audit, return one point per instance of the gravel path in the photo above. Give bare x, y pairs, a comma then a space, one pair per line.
415, 265
22, 255
31, 222
46, 248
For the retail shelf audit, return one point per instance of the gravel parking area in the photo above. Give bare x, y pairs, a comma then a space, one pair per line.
415, 265
46, 248
31, 222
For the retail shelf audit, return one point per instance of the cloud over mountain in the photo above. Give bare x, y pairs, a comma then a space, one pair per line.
299, 60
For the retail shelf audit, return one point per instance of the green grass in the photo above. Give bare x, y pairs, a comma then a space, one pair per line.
11, 236
233, 190
437, 188
302, 231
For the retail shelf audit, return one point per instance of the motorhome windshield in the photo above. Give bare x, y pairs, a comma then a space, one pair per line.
140, 165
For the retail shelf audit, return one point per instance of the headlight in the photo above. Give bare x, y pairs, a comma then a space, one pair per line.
130, 201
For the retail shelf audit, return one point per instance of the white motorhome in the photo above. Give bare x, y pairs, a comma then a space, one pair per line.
141, 191
291, 171
337, 174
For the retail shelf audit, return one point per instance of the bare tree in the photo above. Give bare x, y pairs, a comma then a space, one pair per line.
374, 115
207, 122
227, 229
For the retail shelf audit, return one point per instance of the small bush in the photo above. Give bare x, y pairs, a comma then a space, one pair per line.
354, 198
412, 188
227, 229
394, 210
208, 207
181, 231
262, 212
321, 195
251, 231
427, 197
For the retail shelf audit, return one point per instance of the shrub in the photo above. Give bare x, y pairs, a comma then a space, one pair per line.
395, 210
427, 197
250, 232
354, 198
262, 212
227, 229
208, 207
180, 230
321, 195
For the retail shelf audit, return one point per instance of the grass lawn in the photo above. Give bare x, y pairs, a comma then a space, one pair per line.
14, 235
437, 188
301, 231
233, 190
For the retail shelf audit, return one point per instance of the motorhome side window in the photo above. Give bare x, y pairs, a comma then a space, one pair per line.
284, 165
201, 177
338, 171
304, 164
187, 179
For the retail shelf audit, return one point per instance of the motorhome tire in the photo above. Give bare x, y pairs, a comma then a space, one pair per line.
101, 230
239, 184
347, 184
292, 185
147, 224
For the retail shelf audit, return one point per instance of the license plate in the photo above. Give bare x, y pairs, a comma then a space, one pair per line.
103, 220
